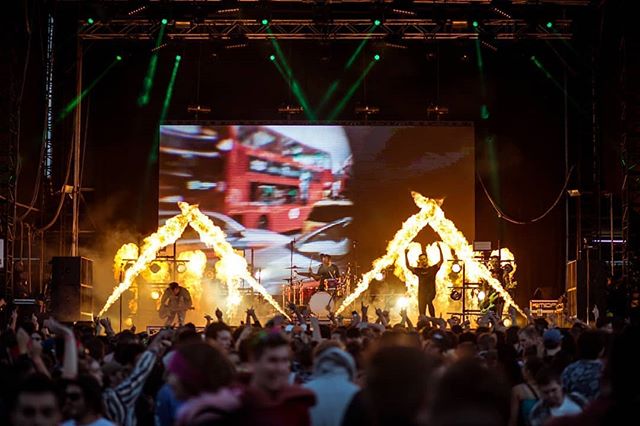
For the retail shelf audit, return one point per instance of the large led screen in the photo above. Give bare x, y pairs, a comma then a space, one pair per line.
285, 194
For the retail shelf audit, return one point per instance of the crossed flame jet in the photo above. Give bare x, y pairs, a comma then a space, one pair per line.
231, 268
432, 215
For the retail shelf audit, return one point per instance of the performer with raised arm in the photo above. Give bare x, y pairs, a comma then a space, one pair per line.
426, 280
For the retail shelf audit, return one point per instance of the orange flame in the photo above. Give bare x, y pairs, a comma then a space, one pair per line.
232, 267
452, 239
196, 262
451, 236
396, 247
165, 235
124, 254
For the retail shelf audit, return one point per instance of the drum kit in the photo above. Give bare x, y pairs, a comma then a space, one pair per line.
305, 289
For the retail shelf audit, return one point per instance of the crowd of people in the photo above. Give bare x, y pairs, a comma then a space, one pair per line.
301, 371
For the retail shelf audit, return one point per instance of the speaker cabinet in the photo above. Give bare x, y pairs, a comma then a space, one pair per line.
72, 288
586, 283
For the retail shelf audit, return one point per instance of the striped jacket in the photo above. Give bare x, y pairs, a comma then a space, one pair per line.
120, 401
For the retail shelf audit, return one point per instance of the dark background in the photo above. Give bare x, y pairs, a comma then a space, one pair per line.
526, 123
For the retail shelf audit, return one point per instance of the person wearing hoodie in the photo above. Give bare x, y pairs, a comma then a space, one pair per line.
334, 372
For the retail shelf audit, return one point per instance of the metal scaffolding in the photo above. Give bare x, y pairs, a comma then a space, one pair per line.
338, 29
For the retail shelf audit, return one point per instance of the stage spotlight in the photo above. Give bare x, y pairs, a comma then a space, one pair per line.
155, 295
367, 110
291, 109
481, 295
264, 21
376, 57
549, 24
455, 295
507, 322
456, 268
118, 58
178, 57
402, 303
181, 267
437, 111
377, 22
272, 57
90, 21
379, 276
475, 24
154, 268
164, 21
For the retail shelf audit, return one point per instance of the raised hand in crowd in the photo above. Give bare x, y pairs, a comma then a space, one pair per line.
70, 361
208, 318
219, 315
364, 309
13, 319
106, 323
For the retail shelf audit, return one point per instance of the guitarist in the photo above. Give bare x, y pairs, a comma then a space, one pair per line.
175, 300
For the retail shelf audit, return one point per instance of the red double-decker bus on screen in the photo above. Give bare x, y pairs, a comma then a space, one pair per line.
253, 174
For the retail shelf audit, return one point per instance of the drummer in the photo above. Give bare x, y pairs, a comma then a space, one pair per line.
326, 271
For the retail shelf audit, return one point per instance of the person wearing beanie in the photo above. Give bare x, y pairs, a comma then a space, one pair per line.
334, 373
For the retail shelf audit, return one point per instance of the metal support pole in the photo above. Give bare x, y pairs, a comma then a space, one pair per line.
612, 266
578, 228
77, 142
566, 172
588, 286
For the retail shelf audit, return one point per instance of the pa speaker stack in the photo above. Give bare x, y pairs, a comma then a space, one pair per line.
72, 289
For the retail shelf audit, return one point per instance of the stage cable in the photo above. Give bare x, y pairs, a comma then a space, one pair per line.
62, 194
502, 215
68, 172
25, 68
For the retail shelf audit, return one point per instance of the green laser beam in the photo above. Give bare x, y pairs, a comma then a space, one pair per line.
153, 157
492, 153
295, 88
480, 64
147, 84
336, 83
169, 93
288, 74
356, 52
345, 99
75, 101
484, 110
555, 82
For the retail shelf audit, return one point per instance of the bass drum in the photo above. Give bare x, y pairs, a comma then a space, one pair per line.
321, 303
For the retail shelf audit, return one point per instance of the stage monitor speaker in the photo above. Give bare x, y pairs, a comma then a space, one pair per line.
72, 288
586, 283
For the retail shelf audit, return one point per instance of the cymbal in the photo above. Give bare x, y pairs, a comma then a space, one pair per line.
306, 274
293, 267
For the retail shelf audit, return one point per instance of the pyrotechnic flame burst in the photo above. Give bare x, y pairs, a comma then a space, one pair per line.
451, 236
232, 267
430, 214
410, 228
191, 278
124, 254
165, 235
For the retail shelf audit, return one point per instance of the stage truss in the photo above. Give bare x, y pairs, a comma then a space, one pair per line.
329, 20
308, 29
